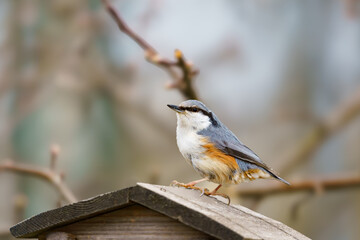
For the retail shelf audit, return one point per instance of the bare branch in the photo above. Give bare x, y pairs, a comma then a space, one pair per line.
54, 153
128, 31
326, 128
316, 185
46, 174
184, 82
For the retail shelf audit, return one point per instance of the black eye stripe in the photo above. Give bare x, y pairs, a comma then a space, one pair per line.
192, 109
195, 109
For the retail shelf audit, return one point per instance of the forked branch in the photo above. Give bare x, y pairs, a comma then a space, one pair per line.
48, 174
183, 81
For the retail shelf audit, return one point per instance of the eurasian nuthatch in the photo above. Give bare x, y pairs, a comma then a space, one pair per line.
213, 150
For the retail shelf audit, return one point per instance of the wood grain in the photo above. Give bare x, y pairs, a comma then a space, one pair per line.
57, 236
230, 221
32, 227
132, 222
183, 211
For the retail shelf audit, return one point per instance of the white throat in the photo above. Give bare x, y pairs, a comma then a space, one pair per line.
188, 139
192, 121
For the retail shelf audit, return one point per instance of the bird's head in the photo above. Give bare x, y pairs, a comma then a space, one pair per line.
194, 115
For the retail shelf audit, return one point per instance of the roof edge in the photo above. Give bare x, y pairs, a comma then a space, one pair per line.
180, 210
74, 212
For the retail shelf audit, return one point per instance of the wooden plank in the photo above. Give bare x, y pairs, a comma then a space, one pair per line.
57, 236
70, 213
178, 208
132, 222
232, 219
271, 221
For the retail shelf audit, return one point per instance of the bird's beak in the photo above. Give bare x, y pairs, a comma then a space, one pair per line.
175, 108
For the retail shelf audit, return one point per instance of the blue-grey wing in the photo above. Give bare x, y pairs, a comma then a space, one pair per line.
228, 143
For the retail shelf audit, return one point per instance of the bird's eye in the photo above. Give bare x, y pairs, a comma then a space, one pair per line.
194, 109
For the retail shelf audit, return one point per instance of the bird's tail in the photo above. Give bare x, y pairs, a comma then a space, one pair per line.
279, 178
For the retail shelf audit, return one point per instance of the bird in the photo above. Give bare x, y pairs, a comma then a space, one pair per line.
214, 151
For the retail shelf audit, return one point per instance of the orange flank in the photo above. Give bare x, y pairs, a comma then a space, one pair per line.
225, 169
213, 153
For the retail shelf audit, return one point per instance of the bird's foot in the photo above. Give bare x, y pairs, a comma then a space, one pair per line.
188, 186
207, 193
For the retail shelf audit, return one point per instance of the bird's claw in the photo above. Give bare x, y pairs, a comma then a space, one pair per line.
204, 191
184, 185
207, 193
175, 183
188, 186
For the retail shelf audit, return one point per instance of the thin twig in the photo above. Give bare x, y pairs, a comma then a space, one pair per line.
128, 31
54, 153
325, 128
46, 174
318, 185
184, 82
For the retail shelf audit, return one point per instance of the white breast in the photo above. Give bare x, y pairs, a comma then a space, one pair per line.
189, 143
190, 146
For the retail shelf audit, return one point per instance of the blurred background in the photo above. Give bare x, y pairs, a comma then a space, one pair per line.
271, 70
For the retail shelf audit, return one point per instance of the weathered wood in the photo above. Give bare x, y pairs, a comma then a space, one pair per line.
57, 236
32, 227
206, 214
236, 219
133, 222
181, 210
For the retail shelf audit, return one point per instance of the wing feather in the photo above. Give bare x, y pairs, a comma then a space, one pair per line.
229, 144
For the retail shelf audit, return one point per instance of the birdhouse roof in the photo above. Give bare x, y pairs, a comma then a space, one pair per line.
206, 214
